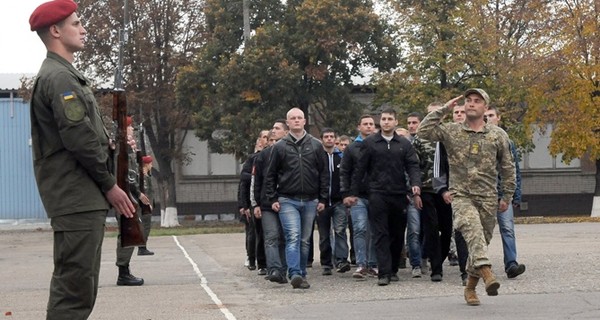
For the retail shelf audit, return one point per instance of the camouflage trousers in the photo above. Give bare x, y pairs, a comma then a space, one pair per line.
475, 218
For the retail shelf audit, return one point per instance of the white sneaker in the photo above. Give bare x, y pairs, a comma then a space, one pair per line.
416, 272
247, 263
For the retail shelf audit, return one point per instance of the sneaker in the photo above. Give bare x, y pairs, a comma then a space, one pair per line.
394, 277
262, 271
297, 281
342, 267
373, 272
360, 273
383, 281
247, 263
326, 271
416, 272
304, 284
436, 277
515, 270
424, 266
251, 267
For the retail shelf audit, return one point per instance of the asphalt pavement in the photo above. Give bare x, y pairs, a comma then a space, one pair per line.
203, 277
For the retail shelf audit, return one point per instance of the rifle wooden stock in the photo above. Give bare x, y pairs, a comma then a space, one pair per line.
131, 229
146, 209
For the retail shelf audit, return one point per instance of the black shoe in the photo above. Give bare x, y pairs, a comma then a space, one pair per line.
277, 277
309, 264
402, 264
326, 271
436, 277
394, 277
262, 271
304, 284
515, 270
297, 281
252, 267
127, 279
384, 281
143, 251
463, 278
342, 267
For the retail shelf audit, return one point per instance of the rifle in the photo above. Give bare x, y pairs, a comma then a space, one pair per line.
146, 209
131, 229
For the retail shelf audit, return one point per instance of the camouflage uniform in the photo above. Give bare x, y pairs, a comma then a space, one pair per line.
476, 159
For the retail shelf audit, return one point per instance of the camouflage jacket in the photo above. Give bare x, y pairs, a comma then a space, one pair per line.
475, 158
426, 152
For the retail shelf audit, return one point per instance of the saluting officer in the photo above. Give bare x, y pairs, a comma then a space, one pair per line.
71, 162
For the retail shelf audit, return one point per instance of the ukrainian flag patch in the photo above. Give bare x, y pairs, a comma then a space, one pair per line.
69, 95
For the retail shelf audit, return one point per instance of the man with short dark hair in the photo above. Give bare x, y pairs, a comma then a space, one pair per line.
506, 223
334, 215
274, 242
386, 157
358, 202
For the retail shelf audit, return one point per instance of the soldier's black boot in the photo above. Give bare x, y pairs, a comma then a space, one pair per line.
127, 279
143, 251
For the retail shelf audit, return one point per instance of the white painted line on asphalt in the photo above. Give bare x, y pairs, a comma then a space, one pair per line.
204, 284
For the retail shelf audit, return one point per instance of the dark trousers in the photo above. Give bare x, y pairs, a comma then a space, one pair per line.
147, 223
77, 254
387, 220
462, 251
255, 242
333, 218
436, 219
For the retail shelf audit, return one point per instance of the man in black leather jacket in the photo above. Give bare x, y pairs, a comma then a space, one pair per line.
297, 183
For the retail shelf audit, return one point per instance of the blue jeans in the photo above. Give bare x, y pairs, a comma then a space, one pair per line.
333, 217
413, 235
506, 224
274, 242
364, 248
297, 218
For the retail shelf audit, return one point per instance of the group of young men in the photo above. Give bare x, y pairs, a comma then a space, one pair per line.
439, 180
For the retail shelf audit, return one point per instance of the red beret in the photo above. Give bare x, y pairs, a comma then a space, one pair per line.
50, 13
129, 120
147, 159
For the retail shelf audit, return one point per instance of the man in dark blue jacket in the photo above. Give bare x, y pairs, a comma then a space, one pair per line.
385, 157
297, 183
334, 214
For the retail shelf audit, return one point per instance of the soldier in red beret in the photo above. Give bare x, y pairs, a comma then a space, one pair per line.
149, 192
70, 153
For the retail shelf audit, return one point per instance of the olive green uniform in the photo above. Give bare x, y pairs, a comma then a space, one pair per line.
476, 159
147, 218
72, 170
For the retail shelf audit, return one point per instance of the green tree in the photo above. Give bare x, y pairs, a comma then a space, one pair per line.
566, 93
162, 37
302, 53
456, 44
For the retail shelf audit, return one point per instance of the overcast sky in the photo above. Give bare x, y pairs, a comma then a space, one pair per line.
21, 50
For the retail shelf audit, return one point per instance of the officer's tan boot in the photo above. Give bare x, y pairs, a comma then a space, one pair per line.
491, 285
470, 294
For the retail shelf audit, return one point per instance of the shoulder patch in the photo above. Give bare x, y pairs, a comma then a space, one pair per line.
73, 107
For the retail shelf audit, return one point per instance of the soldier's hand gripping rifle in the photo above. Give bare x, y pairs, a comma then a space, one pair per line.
131, 229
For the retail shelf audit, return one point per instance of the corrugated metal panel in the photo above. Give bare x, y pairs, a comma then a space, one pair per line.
19, 197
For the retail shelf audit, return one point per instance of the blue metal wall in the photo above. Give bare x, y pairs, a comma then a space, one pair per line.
19, 197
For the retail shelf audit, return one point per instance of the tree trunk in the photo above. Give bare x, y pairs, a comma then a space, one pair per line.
170, 213
596, 203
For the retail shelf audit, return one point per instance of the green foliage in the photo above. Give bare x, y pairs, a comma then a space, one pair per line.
302, 54
453, 45
565, 94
